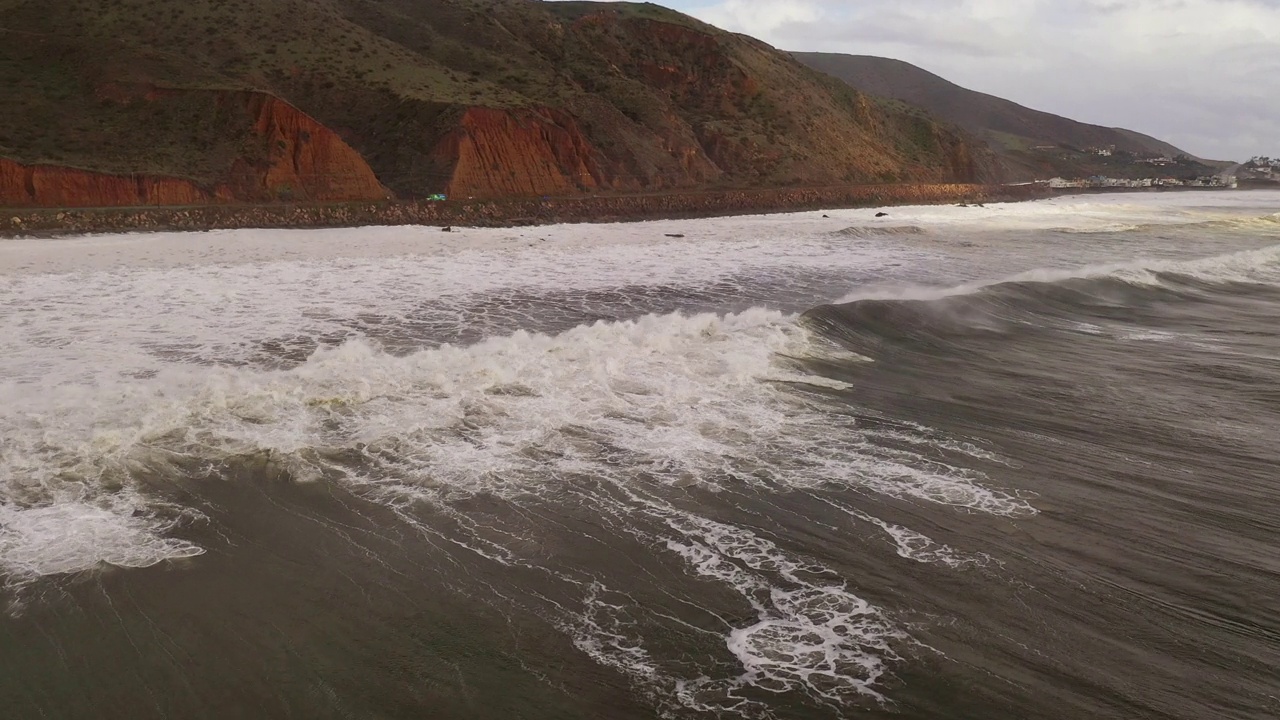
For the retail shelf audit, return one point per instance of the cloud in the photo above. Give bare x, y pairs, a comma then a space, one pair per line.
1198, 73
761, 19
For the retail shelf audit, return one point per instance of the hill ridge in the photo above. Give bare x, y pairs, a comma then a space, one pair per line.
1014, 131
474, 98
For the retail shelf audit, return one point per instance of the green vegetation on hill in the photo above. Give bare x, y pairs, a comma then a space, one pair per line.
53, 114
664, 100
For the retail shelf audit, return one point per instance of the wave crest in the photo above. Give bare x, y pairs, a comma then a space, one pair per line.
1074, 300
677, 399
870, 231
1259, 266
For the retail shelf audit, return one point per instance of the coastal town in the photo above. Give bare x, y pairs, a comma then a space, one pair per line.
1152, 171
1103, 182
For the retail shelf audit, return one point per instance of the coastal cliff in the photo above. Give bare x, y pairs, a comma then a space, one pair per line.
285, 155
499, 153
119, 103
304, 160
51, 186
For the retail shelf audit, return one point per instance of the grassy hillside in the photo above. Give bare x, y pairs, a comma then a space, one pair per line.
1031, 143
659, 99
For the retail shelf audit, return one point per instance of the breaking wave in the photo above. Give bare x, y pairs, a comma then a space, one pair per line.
690, 399
705, 503
1143, 301
1260, 266
652, 408
872, 231
1260, 223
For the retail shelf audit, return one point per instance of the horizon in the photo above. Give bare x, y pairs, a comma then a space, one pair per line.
1192, 73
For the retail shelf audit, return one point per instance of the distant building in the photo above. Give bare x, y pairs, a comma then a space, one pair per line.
1100, 182
1060, 183
1214, 181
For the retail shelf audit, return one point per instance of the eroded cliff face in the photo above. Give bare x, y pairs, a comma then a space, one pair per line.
49, 186
498, 153
293, 157
305, 160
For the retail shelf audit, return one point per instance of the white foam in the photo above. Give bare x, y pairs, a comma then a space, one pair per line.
1149, 336
123, 353
71, 537
690, 390
812, 635
1087, 328
677, 399
917, 546
115, 319
683, 398
899, 430
600, 632
1102, 228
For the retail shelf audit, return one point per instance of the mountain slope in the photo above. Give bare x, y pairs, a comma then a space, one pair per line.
1031, 142
478, 98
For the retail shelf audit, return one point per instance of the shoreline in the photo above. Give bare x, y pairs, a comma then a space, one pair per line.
511, 212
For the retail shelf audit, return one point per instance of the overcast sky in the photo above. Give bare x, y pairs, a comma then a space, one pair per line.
1201, 74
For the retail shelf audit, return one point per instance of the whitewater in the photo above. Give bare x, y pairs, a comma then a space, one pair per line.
1010, 460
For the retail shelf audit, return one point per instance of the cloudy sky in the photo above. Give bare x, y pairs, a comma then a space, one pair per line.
1202, 74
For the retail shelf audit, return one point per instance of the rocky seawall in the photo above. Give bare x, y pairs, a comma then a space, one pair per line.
508, 212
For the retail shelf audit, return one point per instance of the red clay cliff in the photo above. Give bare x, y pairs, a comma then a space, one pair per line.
302, 160
500, 153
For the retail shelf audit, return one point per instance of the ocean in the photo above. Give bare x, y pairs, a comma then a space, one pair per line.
1012, 461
